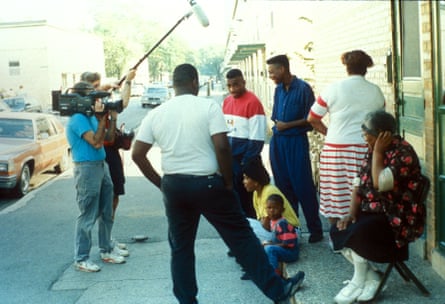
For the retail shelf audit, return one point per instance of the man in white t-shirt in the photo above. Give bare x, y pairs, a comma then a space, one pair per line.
196, 160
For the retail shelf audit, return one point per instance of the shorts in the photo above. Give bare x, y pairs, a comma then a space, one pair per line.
114, 161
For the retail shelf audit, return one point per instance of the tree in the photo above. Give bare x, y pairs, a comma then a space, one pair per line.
120, 42
128, 36
171, 52
211, 60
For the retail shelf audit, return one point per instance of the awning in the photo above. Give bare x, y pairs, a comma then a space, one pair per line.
245, 50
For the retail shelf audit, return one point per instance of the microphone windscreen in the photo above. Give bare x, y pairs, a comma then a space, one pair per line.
199, 13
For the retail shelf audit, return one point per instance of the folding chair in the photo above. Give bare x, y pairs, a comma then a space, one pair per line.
402, 254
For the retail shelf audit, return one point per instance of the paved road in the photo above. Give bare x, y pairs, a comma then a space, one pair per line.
131, 117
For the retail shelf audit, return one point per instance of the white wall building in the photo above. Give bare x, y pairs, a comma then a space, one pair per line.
262, 29
43, 58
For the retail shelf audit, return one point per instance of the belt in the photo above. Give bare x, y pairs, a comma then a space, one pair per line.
191, 176
89, 163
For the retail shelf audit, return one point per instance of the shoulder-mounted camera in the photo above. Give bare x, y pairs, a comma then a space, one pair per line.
71, 103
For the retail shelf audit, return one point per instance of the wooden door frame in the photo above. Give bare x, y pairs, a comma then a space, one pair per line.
439, 110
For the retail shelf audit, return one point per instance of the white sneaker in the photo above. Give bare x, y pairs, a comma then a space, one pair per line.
369, 290
348, 294
112, 258
121, 252
86, 266
120, 245
371, 285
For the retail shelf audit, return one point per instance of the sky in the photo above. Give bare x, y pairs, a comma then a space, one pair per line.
76, 13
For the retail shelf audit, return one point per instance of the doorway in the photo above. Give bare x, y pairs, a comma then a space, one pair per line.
439, 90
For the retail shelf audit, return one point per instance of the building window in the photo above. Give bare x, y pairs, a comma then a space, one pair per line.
14, 68
411, 58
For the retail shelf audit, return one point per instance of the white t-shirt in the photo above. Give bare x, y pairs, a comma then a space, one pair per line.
347, 102
182, 127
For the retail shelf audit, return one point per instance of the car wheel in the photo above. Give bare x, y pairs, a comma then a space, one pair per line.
24, 181
64, 163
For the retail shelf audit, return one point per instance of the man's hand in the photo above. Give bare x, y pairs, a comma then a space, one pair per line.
99, 107
130, 75
126, 89
281, 125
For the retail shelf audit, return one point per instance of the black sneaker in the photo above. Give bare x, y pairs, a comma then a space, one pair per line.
292, 286
315, 237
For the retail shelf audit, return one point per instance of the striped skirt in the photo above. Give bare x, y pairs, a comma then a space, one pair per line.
339, 165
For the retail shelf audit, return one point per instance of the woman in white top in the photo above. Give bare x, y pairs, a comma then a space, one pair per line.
347, 102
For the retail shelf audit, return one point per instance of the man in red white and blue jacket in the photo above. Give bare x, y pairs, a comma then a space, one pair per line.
246, 121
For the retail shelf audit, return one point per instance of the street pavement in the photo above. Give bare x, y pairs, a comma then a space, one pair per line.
37, 250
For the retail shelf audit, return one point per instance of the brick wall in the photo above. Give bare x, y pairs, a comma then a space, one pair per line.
362, 25
367, 25
429, 138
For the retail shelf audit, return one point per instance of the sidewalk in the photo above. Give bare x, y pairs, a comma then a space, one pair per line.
326, 272
44, 222
145, 278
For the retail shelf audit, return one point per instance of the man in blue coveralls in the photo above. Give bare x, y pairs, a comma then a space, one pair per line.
289, 145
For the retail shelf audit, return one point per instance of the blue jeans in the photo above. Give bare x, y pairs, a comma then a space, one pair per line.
244, 197
188, 197
95, 199
278, 254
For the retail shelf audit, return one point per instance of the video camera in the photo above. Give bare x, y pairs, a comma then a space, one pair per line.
72, 103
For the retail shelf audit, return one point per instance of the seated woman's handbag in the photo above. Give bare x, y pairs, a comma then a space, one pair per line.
123, 138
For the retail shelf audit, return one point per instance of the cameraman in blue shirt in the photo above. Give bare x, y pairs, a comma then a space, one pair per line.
86, 135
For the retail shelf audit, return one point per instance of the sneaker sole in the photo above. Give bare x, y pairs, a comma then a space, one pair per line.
86, 269
113, 261
373, 297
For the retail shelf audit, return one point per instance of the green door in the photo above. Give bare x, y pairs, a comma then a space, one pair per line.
410, 101
439, 89
410, 105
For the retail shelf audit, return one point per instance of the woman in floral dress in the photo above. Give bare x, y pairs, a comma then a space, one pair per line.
384, 214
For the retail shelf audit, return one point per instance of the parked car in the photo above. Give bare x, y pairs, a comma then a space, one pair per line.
154, 96
23, 104
4, 106
30, 144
